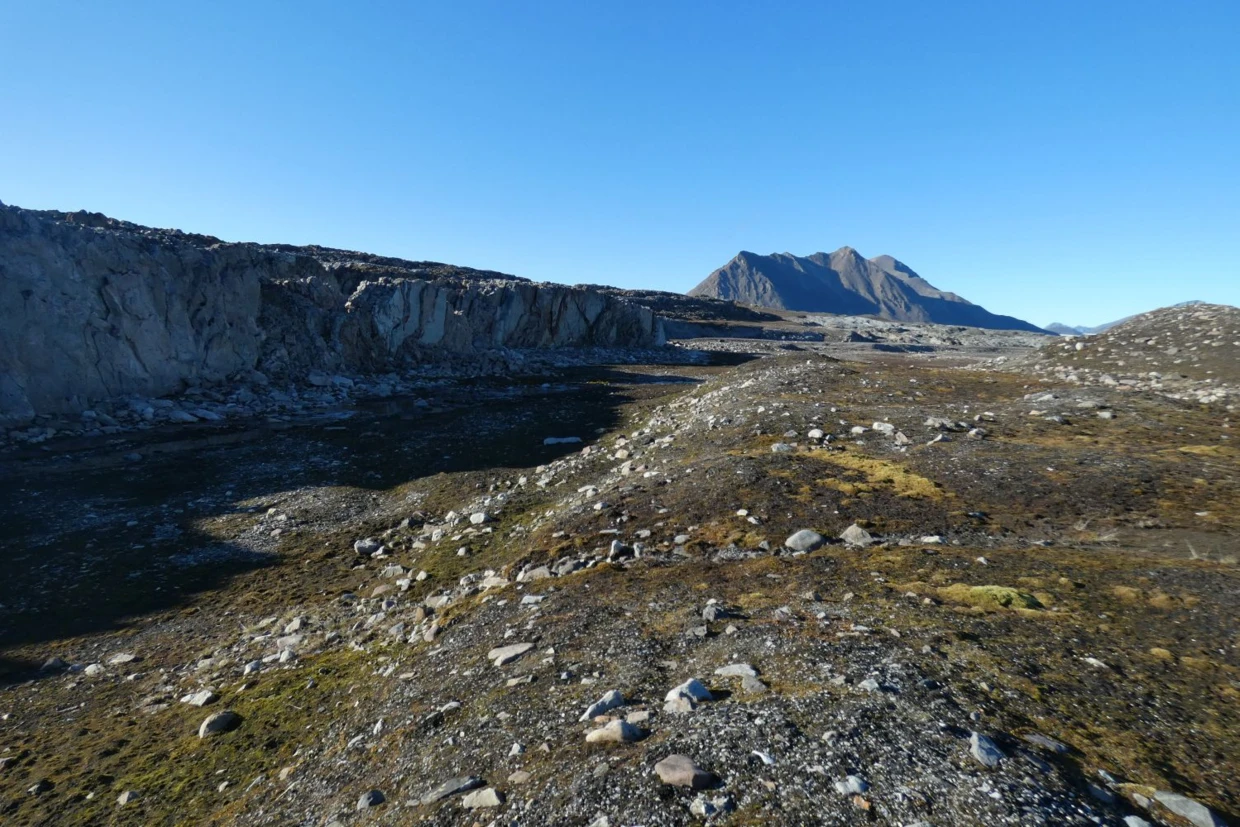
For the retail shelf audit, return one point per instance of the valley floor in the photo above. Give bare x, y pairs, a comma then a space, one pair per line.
1036, 622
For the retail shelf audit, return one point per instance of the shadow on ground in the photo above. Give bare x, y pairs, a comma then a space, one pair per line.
92, 540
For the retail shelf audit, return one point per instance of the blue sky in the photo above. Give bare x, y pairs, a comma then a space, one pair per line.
1054, 161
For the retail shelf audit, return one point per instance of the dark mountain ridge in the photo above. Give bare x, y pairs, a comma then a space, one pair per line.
846, 283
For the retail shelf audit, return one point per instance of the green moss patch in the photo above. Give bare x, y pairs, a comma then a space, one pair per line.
989, 598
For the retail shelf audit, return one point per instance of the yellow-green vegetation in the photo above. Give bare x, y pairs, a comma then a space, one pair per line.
1209, 451
857, 473
160, 756
187, 769
989, 598
865, 474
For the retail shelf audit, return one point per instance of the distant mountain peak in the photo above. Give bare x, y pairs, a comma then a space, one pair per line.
846, 283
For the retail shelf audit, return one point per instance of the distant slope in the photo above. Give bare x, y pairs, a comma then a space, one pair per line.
846, 283
1194, 341
1082, 330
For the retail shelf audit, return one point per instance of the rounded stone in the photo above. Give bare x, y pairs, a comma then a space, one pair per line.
616, 732
373, 798
805, 540
680, 771
219, 722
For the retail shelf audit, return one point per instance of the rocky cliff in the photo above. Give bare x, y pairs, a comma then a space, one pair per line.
93, 308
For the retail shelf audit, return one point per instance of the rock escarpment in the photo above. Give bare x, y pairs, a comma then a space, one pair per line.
92, 308
89, 313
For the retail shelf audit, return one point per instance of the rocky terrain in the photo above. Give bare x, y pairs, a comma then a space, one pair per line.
705, 322
314, 367
687, 308
850, 583
698, 326
845, 283
1189, 351
95, 312
1085, 330
855, 337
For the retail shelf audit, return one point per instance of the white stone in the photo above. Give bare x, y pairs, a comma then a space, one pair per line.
483, 799
614, 732
608, 702
855, 535
504, 655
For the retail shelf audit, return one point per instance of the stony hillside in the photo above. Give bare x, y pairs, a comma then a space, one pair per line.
1189, 351
1084, 330
94, 309
845, 283
789, 591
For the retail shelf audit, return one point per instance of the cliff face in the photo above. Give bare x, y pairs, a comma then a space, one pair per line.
89, 314
92, 308
309, 323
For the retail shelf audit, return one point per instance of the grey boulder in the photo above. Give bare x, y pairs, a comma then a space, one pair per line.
680, 771
984, 750
373, 798
218, 723
805, 540
453, 786
1197, 813
857, 536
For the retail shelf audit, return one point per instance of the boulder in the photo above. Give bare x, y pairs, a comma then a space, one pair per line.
451, 787
1198, 814
609, 701
504, 655
856, 536
218, 723
805, 540
614, 732
680, 771
984, 750
483, 799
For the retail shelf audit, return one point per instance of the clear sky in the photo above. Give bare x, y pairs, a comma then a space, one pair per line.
1056, 161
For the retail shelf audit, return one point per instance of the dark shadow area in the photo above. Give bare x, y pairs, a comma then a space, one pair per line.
92, 539
728, 359
885, 347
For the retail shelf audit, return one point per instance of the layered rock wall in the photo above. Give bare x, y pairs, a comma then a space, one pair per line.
89, 314
92, 309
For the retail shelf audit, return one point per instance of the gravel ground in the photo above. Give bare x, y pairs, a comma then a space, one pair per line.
1034, 622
